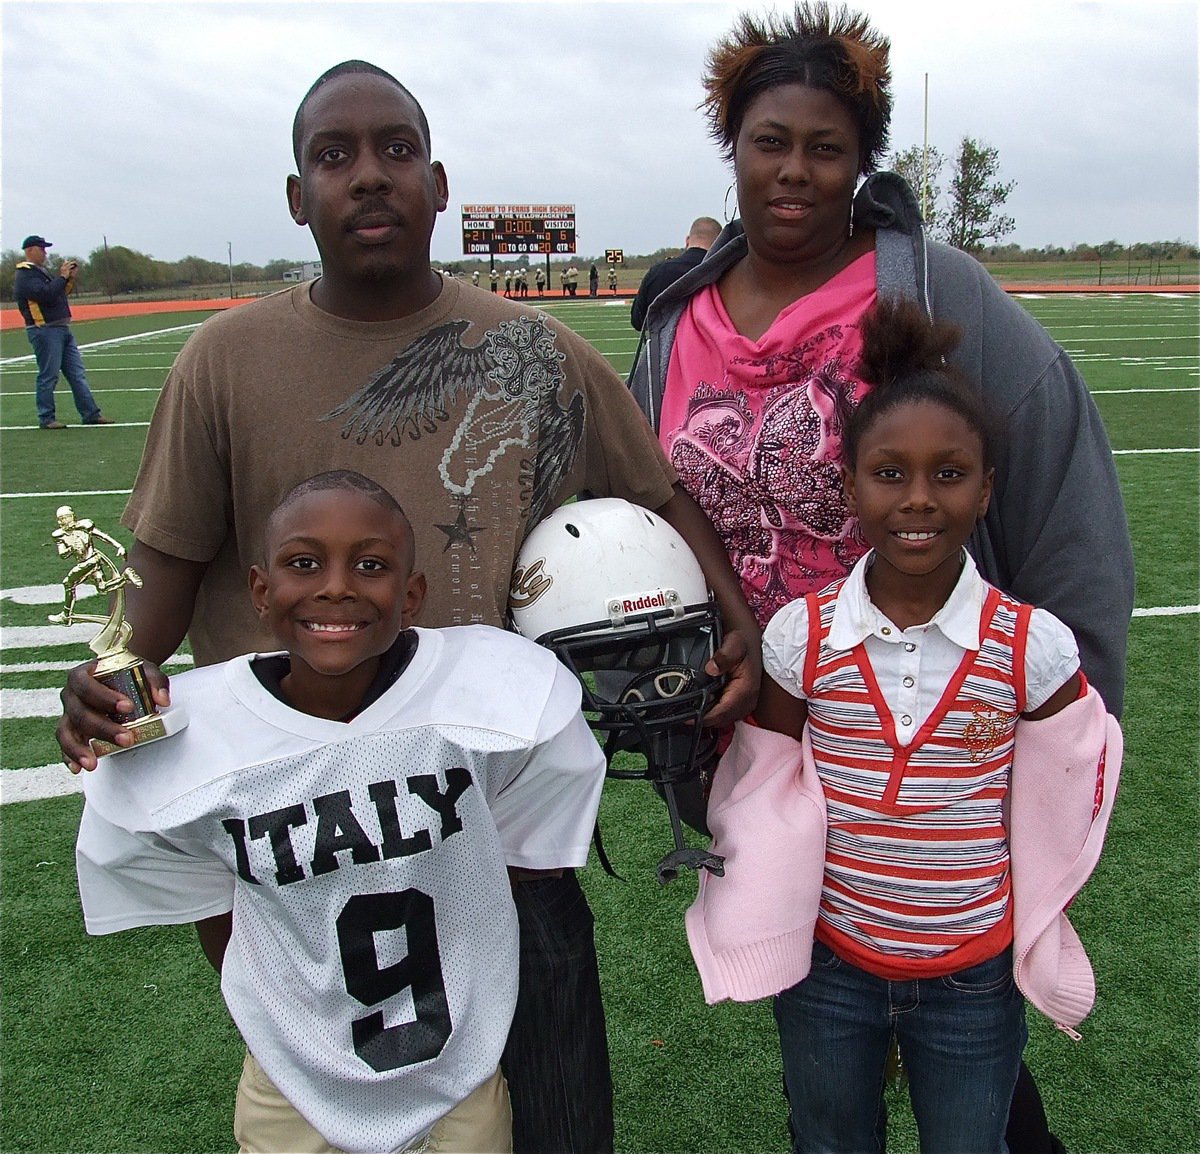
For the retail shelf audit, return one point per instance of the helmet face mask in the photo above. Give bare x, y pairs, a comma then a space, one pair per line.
619, 597
646, 689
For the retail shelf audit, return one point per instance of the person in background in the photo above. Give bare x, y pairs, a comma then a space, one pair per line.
612, 280
748, 369
539, 276
593, 281
698, 241
42, 302
383, 367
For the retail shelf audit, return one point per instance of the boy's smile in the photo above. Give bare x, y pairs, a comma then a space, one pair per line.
337, 591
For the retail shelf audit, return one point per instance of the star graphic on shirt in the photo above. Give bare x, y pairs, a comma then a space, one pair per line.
459, 532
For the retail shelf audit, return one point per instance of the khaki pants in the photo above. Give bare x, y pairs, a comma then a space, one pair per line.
265, 1122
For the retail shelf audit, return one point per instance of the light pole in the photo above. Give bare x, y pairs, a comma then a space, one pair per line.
229, 245
107, 271
925, 158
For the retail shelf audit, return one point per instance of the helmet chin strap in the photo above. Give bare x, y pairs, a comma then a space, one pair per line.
684, 856
673, 750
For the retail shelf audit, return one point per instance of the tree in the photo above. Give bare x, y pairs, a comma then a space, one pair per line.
976, 197
121, 269
917, 164
8, 270
274, 269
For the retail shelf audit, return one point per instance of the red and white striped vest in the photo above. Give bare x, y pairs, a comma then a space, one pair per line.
916, 860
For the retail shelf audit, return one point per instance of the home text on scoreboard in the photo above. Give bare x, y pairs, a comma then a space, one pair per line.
516, 229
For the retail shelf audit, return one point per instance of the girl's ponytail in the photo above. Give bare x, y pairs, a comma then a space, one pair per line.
905, 360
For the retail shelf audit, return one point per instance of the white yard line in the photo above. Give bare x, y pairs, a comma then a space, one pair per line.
68, 493
38, 783
180, 660
16, 703
111, 341
1181, 389
44, 636
114, 425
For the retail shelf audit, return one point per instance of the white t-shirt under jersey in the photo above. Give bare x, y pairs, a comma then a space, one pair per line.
372, 969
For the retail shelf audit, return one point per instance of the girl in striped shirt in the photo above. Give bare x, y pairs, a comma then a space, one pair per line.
911, 674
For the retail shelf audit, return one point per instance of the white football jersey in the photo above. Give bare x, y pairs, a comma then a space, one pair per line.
373, 965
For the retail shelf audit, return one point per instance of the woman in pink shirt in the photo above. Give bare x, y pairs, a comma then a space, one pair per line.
748, 369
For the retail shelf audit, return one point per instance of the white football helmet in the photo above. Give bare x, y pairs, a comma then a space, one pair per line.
619, 596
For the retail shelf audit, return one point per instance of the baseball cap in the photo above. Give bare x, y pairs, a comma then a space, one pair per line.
35, 241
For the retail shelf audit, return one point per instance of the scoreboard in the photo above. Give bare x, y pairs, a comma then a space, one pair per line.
508, 229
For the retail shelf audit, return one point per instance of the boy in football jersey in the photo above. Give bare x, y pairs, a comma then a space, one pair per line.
338, 819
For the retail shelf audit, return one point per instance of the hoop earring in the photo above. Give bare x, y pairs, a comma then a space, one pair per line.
726, 208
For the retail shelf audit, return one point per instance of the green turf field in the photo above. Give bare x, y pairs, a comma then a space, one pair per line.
122, 1043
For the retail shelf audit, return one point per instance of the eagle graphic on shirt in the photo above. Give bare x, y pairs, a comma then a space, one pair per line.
502, 396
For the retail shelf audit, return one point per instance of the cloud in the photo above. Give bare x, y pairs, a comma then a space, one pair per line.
166, 126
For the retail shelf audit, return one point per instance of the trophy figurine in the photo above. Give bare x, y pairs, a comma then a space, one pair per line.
119, 669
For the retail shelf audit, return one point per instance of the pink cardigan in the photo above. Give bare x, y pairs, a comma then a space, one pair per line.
751, 931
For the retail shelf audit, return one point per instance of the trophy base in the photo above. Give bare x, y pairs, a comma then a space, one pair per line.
153, 727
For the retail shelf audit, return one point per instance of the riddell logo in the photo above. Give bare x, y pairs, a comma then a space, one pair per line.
528, 584
659, 599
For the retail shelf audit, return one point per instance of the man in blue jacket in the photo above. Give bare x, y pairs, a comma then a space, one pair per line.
42, 299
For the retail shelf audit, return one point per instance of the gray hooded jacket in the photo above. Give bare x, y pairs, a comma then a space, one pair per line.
1055, 534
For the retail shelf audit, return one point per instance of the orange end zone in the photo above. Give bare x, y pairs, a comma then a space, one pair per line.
11, 318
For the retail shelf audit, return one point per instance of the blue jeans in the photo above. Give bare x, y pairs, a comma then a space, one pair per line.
960, 1037
556, 1059
55, 351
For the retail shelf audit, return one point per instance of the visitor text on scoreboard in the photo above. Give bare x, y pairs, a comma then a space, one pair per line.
508, 229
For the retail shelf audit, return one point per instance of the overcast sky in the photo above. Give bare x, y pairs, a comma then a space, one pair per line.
166, 126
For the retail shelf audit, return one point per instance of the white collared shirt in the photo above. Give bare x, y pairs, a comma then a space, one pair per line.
913, 666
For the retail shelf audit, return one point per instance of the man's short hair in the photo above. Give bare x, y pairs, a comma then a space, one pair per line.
354, 68
704, 229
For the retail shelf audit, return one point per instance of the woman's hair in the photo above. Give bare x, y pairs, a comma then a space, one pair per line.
904, 361
837, 51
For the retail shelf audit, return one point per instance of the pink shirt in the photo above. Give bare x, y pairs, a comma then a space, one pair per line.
754, 429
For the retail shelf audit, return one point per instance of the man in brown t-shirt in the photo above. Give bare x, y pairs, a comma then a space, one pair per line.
479, 415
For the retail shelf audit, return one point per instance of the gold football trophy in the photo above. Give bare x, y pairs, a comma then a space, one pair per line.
119, 669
